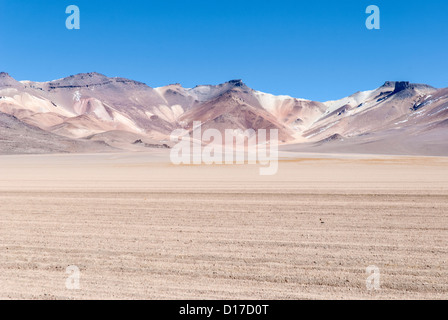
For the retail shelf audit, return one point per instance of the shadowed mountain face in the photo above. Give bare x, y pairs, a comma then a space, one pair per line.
398, 117
20, 138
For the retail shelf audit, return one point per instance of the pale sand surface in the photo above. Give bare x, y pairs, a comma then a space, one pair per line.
139, 228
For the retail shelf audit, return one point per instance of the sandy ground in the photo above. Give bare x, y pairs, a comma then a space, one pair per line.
139, 228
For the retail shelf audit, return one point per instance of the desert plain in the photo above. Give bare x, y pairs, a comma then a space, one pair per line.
138, 227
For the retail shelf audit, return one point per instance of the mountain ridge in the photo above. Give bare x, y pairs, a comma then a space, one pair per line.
94, 105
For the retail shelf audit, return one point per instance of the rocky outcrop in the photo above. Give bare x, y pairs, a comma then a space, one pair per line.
237, 83
402, 85
334, 137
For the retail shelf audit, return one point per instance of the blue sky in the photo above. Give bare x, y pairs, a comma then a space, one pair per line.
318, 49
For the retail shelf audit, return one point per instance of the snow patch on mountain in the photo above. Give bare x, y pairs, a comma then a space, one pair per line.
271, 102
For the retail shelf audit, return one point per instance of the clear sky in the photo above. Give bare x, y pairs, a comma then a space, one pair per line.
316, 49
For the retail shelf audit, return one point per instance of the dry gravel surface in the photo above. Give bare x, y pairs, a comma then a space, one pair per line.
138, 227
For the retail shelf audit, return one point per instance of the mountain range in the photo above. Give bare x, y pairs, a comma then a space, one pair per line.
91, 112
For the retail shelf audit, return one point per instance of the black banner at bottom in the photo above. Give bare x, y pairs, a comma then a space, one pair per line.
241, 309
